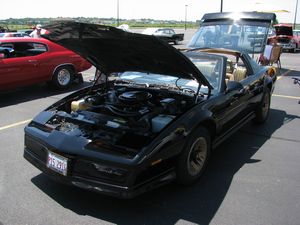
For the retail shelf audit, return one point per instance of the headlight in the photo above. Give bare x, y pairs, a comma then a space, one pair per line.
99, 170
109, 171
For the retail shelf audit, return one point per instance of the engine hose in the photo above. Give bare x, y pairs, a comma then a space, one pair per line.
120, 113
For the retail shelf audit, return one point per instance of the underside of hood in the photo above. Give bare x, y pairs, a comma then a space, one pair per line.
113, 50
284, 30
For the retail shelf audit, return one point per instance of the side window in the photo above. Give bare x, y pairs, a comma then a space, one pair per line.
7, 53
240, 71
172, 31
236, 70
160, 31
3, 53
40, 46
7, 45
26, 49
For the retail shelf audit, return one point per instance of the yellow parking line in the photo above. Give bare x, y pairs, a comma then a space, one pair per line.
286, 73
14, 124
286, 96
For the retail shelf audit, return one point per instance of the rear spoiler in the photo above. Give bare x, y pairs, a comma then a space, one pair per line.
250, 16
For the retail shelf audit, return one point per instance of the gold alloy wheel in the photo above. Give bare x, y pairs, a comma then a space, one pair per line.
197, 156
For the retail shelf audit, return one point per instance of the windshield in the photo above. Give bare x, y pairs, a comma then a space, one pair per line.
159, 81
241, 37
209, 65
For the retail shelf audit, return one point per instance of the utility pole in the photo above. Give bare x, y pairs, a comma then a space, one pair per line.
118, 19
221, 10
185, 18
295, 19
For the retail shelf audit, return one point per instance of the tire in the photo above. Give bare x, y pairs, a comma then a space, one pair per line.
262, 112
293, 50
63, 77
193, 159
80, 79
296, 48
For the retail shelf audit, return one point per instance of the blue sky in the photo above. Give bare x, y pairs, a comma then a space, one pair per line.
137, 9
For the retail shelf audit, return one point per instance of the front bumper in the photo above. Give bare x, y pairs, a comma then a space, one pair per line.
287, 46
98, 186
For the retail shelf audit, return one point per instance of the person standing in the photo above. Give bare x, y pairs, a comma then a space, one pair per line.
37, 31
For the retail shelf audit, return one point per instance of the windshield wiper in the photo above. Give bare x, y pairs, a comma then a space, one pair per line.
132, 83
119, 81
160, 86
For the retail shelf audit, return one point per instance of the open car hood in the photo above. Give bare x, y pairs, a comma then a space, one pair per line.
283, 30
113, 50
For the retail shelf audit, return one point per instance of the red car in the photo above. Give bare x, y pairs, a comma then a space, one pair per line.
284, 37
26, 61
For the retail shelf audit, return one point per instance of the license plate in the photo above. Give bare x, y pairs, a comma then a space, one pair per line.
57, 163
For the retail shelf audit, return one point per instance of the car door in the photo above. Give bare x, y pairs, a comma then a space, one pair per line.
241, 102
253, 83
229, 109
231, 104
21, 67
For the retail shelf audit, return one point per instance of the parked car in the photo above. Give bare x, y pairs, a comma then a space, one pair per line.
27, 31
38, 60
296, 33
13, 34
4, 28
155, 118
285, 37
166, 34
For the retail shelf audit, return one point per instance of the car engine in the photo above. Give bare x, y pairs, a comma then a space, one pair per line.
122, 116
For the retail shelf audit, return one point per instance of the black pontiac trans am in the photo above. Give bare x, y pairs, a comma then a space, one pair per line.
155, 117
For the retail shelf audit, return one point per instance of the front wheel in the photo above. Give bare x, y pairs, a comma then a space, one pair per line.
63, 77
295, 49
194, 157
262, 112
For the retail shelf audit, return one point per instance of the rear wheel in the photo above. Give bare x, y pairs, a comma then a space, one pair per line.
293, 50
262, 113
63, 77
194, 157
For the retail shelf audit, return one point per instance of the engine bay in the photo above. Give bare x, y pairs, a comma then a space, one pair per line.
121, 116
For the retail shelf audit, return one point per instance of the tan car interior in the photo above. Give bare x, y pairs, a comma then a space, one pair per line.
235, 72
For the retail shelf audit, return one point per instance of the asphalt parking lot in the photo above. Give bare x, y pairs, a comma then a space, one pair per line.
252, 178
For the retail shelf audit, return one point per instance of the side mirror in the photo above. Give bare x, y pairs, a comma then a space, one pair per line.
233, 86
